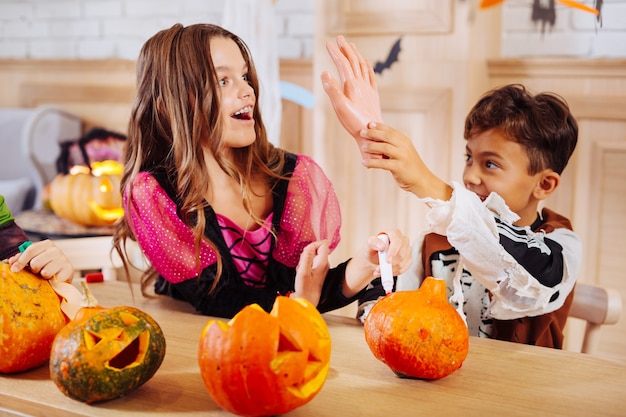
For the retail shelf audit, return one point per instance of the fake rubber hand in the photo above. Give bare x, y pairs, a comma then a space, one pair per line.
311, 271
355, 100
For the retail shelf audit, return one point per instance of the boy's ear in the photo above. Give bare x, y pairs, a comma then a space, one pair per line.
548, 181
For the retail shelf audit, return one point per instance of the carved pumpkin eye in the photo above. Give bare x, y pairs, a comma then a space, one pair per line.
261, 364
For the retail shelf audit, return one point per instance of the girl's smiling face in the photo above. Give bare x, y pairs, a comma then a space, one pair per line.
495, 163
237, 97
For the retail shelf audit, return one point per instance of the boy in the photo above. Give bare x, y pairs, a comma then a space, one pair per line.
43, 258
511, 268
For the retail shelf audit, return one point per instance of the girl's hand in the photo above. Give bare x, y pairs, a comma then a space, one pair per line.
355, 101
311, 271
44, 258
364, 267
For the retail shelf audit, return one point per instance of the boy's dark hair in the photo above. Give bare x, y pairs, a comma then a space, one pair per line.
542, 124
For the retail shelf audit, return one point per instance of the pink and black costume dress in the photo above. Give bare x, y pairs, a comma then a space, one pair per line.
256, 265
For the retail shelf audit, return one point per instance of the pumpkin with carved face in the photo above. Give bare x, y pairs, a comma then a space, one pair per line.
88, 197
261, 364
106, 353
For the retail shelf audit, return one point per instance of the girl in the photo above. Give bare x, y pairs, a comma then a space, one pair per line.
224, 217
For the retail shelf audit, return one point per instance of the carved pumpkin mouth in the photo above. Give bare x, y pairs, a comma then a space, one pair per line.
106, 214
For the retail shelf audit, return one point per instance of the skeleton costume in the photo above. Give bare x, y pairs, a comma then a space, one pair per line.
510, 283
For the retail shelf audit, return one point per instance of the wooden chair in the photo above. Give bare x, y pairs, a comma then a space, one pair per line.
29, 139
597, 306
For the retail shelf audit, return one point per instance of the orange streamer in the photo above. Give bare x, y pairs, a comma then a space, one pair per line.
578, 5
488, 3
569, 3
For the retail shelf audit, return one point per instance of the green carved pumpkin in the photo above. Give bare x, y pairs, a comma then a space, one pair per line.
106, 353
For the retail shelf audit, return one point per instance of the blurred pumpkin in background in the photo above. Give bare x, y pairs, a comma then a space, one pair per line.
90, 197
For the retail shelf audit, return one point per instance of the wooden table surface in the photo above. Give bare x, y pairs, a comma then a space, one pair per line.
497, 378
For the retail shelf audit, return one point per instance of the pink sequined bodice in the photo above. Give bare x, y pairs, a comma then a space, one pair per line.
311, 213
250, 249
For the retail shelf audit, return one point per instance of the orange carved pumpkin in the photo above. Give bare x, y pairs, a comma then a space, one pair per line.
30, 318
418, 333
105, 353
88, 198
261, 364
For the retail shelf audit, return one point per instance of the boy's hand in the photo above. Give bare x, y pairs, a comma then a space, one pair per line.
403, 161
311, 271
44, 258
355, 101
400, 156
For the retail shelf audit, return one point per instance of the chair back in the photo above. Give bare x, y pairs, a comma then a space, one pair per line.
597, 306
29, 140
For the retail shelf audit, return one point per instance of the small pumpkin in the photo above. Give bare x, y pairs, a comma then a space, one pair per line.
89, 198
418, 333
261, 364
105, 353
30, 318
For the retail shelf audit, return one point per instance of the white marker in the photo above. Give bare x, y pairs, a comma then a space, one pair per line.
386, 271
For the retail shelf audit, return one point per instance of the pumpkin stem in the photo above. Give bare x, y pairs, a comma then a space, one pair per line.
88, 298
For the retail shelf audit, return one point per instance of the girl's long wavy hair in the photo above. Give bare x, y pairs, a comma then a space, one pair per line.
175, 114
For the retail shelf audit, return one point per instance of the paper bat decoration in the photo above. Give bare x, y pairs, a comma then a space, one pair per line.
392, 57
598, 6
545, 15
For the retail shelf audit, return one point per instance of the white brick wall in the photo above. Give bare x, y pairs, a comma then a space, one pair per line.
85, 29
92, 29
575, 34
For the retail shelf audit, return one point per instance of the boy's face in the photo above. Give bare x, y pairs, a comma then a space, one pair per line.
495, 163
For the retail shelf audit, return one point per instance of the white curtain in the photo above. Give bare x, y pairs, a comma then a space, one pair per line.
254, 22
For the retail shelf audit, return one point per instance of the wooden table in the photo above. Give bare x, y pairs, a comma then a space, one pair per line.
497, 378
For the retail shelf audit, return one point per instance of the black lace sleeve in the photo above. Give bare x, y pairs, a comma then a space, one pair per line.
11, 237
